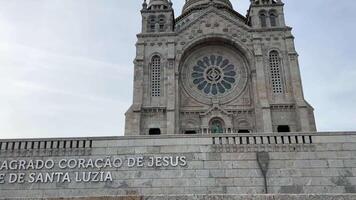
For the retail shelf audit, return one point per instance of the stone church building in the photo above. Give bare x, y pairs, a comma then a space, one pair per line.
213, 70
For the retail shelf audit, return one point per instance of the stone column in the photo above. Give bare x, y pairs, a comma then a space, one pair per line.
133, 115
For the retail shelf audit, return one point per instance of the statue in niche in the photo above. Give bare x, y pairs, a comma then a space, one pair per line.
216, 126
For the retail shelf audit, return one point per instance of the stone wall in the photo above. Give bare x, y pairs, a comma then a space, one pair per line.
222, 197
222, 164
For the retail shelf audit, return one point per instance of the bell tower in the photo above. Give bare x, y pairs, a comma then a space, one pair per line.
157, 16
266, 14
153, 108
276, 54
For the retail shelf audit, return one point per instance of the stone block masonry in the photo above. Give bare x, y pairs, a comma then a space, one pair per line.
207, 167
222, 197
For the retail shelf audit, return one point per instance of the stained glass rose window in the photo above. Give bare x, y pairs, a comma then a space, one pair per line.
214, 75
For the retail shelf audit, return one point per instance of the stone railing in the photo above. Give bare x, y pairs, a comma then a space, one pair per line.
252, 139
45, 144
206, 131
197, 139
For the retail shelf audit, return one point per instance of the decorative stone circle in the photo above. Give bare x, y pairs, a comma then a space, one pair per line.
214, 75
214, 72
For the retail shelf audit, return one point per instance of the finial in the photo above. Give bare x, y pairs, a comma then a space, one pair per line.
144, 5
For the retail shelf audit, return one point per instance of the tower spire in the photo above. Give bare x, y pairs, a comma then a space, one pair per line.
144, 5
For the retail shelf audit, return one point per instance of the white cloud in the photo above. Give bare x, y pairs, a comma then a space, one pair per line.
46, 94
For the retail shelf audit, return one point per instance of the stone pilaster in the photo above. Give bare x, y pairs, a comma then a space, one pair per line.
261, 84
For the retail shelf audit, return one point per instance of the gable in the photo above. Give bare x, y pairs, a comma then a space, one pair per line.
212, 18
216, 109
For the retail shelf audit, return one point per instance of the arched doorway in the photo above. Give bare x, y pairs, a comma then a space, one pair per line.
217, 125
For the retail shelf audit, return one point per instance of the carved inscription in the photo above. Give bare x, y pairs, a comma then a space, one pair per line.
79, 170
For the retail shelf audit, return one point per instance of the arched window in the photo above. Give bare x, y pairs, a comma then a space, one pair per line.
273, 18
263, 19
276, 75
161, 22
151, 24
156, 76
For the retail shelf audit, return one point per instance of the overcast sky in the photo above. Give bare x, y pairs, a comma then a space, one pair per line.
66, 65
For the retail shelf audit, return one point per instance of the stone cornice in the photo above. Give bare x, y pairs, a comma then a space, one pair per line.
156, 34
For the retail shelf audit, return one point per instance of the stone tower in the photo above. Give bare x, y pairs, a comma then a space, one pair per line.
212, 70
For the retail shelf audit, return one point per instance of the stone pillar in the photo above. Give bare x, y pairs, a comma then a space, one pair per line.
305, 125
170, 88
301, 105
261, 84
295, 79
138, 77
281, 18
133, 115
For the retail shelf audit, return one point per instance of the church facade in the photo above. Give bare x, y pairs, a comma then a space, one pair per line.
212, 70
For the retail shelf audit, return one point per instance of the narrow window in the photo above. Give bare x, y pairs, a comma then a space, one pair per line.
151, 23
283, 129
155, 131
161, 22
273, 18
156, 76
276, 75
263, 19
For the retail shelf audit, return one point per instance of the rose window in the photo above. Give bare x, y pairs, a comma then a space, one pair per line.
214, 75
